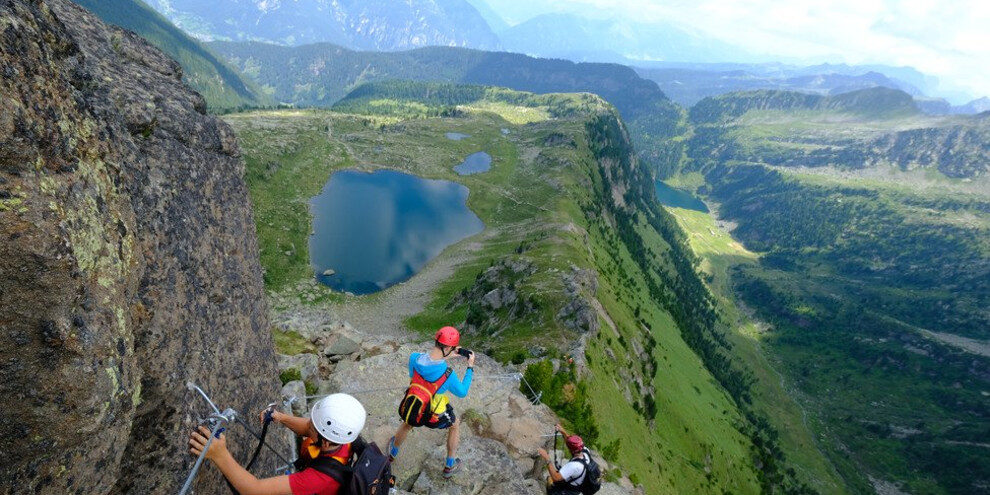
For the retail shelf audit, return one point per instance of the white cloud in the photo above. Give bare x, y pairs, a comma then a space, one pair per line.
950, 40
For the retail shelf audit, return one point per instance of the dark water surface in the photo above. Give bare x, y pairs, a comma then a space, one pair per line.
378, 229
679, 198
475, 163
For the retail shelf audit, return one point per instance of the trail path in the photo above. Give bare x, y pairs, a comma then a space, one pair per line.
384, 313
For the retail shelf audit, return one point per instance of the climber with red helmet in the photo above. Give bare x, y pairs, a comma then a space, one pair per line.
580, 475
425, 403
333, 425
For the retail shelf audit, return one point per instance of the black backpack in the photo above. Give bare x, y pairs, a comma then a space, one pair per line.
369, 473
592, 481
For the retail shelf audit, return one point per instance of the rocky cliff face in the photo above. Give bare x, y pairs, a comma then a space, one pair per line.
128, 263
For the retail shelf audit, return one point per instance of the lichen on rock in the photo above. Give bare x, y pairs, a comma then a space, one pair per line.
128, 263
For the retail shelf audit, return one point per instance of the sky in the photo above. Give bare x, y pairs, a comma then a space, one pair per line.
949, 39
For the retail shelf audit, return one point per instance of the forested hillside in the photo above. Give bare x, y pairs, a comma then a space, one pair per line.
874, 228
222, 87
319, 75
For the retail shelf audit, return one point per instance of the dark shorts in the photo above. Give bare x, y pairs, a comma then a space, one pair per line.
445, 420
561, 488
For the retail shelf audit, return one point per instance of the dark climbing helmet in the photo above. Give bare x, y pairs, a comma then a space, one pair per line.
575, 444
448, 336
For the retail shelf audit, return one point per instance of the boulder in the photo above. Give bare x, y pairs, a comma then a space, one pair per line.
307, 364
296, 389
342, 343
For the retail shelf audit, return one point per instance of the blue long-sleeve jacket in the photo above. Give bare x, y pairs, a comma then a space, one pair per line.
432, 371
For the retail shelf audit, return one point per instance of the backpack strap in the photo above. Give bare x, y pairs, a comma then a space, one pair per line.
439, 383
431, 387
358, 446
584, 462
332, 468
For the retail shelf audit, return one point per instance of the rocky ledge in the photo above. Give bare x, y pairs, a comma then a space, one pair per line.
501, 427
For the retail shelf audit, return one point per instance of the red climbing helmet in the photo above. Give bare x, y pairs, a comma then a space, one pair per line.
574, 444
448, 336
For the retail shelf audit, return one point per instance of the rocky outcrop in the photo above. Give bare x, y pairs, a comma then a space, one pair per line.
128, 263
579, 314
500, 433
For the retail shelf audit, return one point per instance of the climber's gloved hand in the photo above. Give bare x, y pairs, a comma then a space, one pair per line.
268, 413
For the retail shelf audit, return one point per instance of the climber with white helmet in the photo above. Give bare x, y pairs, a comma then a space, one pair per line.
425, 403
329, 432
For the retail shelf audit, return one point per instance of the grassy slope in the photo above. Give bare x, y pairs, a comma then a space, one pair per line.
903, 403
694, 432
773, 393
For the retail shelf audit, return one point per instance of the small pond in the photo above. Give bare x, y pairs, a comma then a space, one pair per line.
679, 198
456, 136
475, 163
374, 230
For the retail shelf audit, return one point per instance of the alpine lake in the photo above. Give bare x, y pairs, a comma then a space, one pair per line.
679, 198
374, 230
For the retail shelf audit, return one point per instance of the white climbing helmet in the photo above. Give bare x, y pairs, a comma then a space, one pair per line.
339, 418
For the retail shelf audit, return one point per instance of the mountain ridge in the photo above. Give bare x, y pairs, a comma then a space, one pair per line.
394, 25
223, 88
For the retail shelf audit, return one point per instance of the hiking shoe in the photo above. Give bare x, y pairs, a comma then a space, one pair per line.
449, 471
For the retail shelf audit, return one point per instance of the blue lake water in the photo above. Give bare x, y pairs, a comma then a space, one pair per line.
475, 163
378, 229
679, 198
456, 136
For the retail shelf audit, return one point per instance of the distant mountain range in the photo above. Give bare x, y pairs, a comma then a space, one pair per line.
321, 74
688, 86
955, 146
687, 65
613, 40
357, 24
222, 87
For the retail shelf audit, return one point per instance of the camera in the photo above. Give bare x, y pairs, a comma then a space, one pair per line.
464, 352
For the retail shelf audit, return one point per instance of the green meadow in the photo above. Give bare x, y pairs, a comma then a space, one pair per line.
659, 415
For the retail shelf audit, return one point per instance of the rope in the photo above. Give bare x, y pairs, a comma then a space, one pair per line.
260, 439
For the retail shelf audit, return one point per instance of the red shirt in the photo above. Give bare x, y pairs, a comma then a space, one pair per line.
309, 481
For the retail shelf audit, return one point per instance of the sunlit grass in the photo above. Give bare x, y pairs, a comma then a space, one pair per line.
515, 114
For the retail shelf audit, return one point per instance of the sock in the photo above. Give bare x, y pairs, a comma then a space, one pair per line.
450, 462
392, 449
